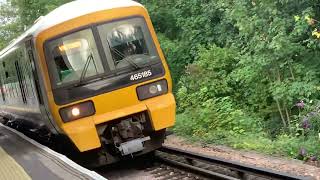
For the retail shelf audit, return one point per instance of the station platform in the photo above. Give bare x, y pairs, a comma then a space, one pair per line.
22, 158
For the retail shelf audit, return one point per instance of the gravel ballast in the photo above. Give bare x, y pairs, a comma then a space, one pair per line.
291, 166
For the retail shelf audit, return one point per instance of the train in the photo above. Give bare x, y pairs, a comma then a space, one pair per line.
91, 74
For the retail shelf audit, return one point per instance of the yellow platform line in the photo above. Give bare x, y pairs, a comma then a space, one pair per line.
10, 169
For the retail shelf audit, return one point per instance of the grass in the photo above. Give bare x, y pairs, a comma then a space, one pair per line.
283, 145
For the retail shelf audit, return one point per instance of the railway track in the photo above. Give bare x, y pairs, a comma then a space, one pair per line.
179, 164
173, 163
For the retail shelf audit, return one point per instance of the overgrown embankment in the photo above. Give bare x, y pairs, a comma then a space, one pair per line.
246, 72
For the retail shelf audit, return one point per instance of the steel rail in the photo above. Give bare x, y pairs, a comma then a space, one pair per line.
197, 170
242, 169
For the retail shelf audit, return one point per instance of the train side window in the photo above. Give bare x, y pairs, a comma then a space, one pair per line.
8, 86
25, 71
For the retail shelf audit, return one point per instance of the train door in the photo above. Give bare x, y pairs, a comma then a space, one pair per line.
41, 100
34, 77
2, 87
21, 80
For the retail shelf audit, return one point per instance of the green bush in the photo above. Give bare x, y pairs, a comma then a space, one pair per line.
219, 115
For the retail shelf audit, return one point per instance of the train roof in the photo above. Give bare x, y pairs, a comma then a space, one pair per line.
67, 12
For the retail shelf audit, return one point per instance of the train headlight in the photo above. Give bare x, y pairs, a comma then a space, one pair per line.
77, 111
153, 89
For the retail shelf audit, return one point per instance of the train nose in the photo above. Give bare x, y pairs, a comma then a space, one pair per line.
84, 133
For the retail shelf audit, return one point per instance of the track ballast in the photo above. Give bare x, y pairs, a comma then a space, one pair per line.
212, 167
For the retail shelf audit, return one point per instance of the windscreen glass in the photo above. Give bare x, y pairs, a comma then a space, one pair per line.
105, 50
75, 58
127, 43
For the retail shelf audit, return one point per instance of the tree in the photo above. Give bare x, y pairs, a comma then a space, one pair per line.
17, 15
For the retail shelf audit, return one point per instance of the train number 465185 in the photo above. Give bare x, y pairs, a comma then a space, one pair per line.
141, 75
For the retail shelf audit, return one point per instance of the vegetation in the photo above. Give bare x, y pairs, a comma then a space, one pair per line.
18, 15
246, 73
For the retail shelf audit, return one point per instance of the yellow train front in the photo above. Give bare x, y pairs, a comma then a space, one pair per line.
104, 79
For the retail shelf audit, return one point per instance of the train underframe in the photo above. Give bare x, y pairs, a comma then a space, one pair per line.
121, 139
124, 138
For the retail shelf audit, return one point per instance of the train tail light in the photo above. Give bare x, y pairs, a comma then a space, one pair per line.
152, 90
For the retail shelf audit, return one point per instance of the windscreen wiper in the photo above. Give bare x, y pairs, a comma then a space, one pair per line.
128, 58
85, 69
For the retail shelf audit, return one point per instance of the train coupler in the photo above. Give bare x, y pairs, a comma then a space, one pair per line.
132, 146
